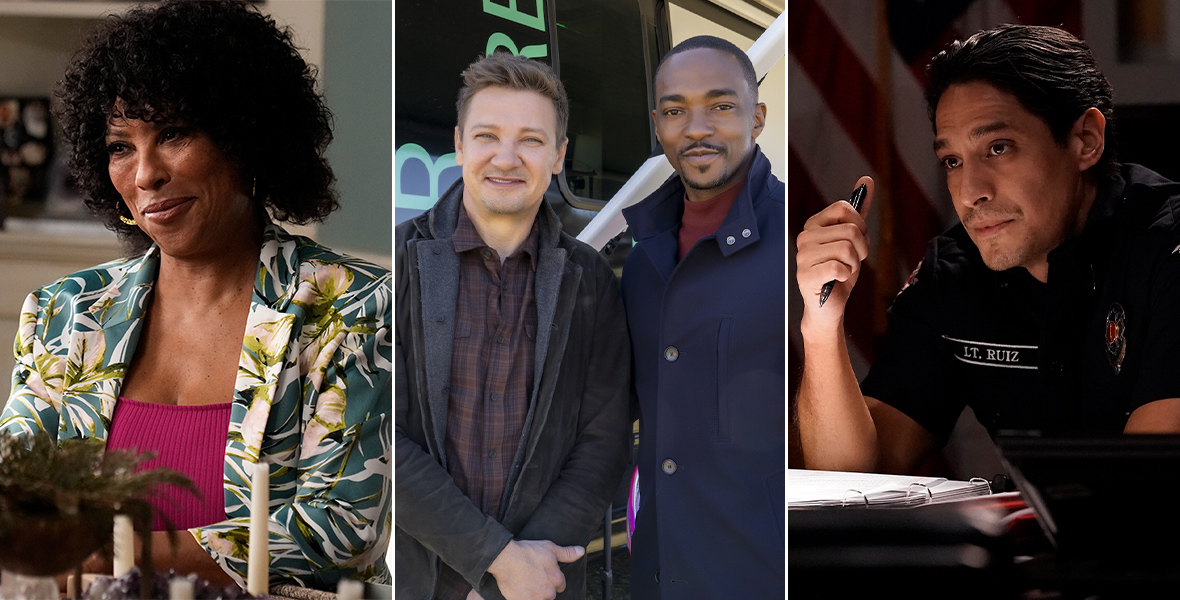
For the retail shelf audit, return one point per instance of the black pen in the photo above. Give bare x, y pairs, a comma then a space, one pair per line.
858, 196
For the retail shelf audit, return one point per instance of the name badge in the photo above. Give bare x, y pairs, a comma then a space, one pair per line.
990, 354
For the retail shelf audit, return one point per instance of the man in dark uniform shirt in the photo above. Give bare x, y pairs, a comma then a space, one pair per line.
1051, 307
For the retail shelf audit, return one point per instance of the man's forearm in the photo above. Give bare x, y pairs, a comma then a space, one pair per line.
573, 506
835, 427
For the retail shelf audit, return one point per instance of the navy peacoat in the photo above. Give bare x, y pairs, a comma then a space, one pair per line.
708, 346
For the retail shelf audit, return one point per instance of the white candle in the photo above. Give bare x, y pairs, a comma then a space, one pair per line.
258, 574
180, 589
350, 589
124, 545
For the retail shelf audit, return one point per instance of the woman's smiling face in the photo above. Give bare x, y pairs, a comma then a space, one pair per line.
181, 189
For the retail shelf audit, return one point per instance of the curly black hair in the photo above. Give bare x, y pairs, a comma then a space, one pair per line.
219, 66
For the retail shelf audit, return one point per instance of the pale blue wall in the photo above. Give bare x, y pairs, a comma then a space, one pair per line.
358, 86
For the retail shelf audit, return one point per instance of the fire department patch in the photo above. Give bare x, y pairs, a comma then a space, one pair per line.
1116, 338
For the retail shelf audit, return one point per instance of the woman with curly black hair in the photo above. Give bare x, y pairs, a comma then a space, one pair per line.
224, 342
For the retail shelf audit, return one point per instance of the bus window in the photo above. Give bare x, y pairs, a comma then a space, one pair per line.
603, 64
603, 56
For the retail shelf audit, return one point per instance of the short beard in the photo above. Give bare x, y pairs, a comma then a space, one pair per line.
721, 179
1005, 258
506, 209
1002, 262
1017, 254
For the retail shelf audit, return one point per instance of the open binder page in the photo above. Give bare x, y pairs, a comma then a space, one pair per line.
836, 488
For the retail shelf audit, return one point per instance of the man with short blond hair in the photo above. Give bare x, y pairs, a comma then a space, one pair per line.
512, 362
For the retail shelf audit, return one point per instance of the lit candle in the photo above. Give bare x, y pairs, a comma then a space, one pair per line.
124, 545
258, 574
180, 589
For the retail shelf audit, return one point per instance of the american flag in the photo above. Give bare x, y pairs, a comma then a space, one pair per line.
856, 81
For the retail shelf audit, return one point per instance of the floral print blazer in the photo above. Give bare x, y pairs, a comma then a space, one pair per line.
312, 397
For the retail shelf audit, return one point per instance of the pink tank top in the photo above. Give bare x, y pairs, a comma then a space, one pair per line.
189, 439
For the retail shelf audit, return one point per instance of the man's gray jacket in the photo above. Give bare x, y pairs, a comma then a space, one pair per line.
576, 438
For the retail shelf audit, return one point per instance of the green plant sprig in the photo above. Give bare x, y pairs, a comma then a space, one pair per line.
39, 478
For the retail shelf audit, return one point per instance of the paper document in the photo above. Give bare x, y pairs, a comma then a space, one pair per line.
835, 488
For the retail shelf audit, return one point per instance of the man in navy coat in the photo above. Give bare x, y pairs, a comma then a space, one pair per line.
704, 293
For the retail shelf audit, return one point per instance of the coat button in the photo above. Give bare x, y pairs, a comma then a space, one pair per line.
669, 466
671, 354
657, 575
438, 251
745, 233
492, 453
730, 240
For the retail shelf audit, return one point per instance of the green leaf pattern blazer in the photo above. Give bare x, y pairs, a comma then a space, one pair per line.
312, 397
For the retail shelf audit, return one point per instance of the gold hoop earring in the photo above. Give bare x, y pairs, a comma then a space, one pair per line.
128, 221
254, 189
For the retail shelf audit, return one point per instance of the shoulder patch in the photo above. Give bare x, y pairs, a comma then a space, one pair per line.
1116, 336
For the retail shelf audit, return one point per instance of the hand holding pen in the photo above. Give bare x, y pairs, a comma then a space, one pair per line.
858, 196
831, 248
